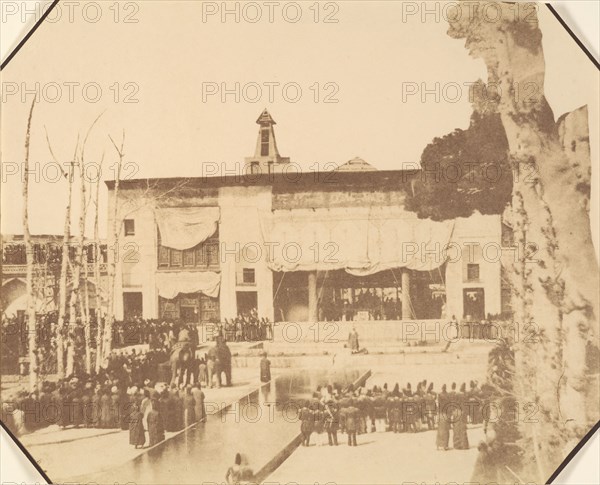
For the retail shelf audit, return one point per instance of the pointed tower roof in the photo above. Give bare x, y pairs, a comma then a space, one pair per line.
266, 153
265, 119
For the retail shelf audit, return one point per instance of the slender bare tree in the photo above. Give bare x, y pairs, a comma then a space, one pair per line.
64, 264
114, 248
31, 316
97, 258
81, 266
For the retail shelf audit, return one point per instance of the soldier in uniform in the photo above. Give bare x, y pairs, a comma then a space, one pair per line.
332, 422
306, 423
430, 408
350, 417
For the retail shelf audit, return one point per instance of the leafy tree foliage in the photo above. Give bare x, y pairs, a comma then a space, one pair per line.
464, 171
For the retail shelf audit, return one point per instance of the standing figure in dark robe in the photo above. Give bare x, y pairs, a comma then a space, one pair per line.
211, 367
350, 417
86, 406
265, 368
156, 430
115, 407
393, 413
199, 410
171, 410
137, 436
459, 437
96, 406
105, 409
306, 423
353, 341
443, 432
379, 410
178, 409
319, 420
475, 398
189, 415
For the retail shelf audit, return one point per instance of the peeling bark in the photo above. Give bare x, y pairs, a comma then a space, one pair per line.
557, 293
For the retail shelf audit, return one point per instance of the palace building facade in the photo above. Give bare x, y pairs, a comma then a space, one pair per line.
299, 246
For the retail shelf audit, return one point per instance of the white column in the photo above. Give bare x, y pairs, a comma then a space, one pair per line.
407, 313
313, 314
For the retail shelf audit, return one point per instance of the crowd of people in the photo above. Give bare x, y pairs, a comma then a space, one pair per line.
15, 336
132, 379
367, 300
246, 327
82, 399
358, 411
158, 334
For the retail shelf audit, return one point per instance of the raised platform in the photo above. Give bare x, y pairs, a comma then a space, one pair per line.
396, 331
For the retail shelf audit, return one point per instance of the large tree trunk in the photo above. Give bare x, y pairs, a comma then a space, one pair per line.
556, 290
31, 317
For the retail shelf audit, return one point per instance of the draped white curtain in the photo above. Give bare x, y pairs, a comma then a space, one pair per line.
170, 284
186, 227
362, 241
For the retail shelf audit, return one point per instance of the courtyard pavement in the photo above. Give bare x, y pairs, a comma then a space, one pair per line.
67, 453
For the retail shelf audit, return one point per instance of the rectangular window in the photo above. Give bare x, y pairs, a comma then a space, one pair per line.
472, 272
188, 257
200, 256
264, 143
175, 257
163, 256
203, 256
248, 276
254, 168
212, 251
129, 227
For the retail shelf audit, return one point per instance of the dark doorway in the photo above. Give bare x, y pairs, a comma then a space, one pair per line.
189, 314
246, 301
474, 303
132, 305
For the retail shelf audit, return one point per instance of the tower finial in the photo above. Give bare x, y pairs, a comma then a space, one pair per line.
266, 155
265, 119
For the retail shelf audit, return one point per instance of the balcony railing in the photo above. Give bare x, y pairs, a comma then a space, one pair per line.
21, 269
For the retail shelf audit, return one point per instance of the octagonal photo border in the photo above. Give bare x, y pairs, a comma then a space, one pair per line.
562, 22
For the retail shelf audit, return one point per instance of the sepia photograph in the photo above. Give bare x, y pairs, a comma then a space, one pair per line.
312, 242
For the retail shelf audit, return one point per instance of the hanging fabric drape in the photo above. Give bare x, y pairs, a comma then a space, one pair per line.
170, 284
186, 227
361, 241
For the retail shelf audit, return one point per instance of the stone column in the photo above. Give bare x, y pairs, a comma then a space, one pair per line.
312, 297
406, 306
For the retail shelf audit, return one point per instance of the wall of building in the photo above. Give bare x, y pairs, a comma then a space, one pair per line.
478, 238
136, 258
479, 242
241, 244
